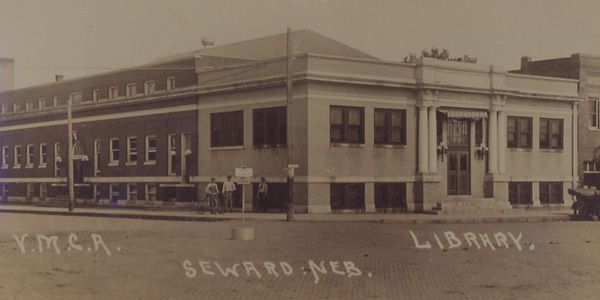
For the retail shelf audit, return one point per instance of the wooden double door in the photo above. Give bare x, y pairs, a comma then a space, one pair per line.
459, 164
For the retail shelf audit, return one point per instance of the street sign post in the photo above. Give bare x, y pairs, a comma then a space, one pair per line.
244, 176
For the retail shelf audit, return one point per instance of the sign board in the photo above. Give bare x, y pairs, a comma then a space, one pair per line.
243, 172
243, 180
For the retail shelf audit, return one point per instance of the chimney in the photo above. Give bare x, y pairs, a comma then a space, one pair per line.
7, 74
525, 60
59, 77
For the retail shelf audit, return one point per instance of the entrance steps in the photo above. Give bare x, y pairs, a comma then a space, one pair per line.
462, 205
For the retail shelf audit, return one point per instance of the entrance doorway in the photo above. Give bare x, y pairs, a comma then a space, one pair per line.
459, 166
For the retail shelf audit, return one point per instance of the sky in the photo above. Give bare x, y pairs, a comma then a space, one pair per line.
76, 38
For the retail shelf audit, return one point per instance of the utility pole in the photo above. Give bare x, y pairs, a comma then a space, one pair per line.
70, 156
290, 126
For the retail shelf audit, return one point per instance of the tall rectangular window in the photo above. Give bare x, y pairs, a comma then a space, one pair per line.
132, 192
149, 87
75, 97
347, 124
227, 129
43, 155
113, 93
172, 159
55, 101
5, 157
151, 192
132, 149
551, 192
551, 133
390, 126
30, 156
114, 191
594, 113
95, 95
57, 159
28, 106
4, 108
16, 107
170, 83
150, 148
270, 126
131, 90
519, 132
519, 192
17, 161
114, 151
42, 103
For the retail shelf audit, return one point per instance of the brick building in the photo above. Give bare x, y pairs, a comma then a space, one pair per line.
368, 134
586, 69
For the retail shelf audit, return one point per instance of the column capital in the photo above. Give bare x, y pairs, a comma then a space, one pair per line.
497, 102
428, 96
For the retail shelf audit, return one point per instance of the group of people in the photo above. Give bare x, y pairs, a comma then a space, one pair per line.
212, 195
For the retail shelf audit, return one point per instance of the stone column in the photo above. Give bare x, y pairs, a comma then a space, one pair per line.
502, 142
432, 139
423, 154
493, 146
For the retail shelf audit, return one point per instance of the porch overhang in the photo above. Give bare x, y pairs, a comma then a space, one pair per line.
461, 113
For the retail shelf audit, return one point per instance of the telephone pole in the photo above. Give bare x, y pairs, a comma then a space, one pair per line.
70, 156
290, 126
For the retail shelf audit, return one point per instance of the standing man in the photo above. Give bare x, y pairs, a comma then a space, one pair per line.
212, 195
263, 190
228, 189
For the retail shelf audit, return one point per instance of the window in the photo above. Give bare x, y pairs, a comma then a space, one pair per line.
97, 154
227, 129
594, 113
95, 95
390, 196
41, 103
57, 159
347, 124
43, 155
17, 163
519, 132
172, 161
131, 90
132, 192
113, 93
114, 192
114, 151
270, 126
55, 101
4, 109
519, 192
75, 97
390, 126
170, 83
551, 192
30, 156
551, 133
151, 148
16, 107
5, 157
28, 106
347, 196
149, 87
132, 149
151, 192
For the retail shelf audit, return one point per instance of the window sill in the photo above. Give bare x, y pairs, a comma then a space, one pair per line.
131, 163
520, 149
4, 167
347, 145
228, 148
113, 164
149, 163
16, 166
42, 166
390, 146
270, 146
547, 150
29, 167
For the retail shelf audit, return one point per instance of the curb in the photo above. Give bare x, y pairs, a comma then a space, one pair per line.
117, 215
200, 218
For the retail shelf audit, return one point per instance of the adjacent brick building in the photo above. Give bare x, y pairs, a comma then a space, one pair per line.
368, 134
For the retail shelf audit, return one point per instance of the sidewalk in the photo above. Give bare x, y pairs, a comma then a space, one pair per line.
518, 216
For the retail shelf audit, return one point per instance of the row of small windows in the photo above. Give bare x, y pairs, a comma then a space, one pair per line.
519, 133
388, 196
76, 97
